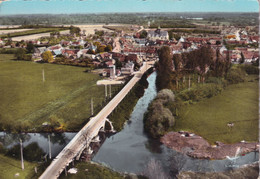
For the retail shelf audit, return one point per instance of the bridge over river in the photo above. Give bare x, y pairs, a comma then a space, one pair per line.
90, 130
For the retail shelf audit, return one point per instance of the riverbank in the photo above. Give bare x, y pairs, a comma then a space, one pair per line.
123, 111
197, 147
248, 171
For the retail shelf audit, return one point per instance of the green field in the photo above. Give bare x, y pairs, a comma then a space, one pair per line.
64, 97
93, 171
33, 31
237, 104
9, 167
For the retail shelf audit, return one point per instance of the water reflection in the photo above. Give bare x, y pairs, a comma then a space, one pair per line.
58, 140
9, 139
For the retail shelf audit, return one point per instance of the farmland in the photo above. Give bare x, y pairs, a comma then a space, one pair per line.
21, 32
237, 104
62, 100
11, 168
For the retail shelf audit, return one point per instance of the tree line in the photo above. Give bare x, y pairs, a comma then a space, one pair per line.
173, 69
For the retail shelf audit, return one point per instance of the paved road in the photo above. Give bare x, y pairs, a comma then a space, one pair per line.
90, 130
117, 45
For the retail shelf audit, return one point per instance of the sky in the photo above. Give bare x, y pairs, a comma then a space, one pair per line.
12, 7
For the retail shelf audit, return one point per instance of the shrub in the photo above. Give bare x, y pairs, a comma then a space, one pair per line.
236, 75
214, 80
250, 69
165, 95
201, 91
159, 118
32, 152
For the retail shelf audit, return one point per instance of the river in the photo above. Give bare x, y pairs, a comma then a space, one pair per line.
130, 149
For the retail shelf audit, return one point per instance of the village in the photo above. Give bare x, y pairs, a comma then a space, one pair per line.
133, 94
119, 53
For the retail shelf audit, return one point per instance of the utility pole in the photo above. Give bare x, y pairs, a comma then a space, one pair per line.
106, 91
21, 147
43, 76
110, 91
92, 108
49, 141
189, 82
65, 171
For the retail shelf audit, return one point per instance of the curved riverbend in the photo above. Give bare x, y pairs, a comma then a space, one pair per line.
130, 150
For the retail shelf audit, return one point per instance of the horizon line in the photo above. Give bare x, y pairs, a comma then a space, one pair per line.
185, 12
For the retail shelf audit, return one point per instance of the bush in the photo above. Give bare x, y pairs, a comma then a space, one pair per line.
250, 69
32, 152
214, 80
165, 95
159, 119
201, 91
8, 51
236, 75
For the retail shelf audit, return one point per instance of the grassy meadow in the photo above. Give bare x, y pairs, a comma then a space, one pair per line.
238, 104
9, 167
93, 171
64, 99
33, 31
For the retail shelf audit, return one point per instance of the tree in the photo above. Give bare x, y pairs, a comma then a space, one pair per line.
154, 170
164, 68
143, 34
108, 48
56, 32
204, 57
74, 30
101, 48
30, 47
177, 161
90, 51
219, 65
20, 54
47, 57
100, 33
242, 58
159, 118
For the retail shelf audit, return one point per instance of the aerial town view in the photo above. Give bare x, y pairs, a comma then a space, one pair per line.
129, 89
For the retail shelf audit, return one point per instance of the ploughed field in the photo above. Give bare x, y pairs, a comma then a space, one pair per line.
237, 104
63, 100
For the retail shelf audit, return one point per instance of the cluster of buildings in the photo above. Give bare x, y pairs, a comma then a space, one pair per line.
129, 51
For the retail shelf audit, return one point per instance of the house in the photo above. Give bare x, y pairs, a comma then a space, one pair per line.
106, 56
69, 53
56, 52
222, 50
133, 58
141, 42
249, 56
158, 34
38, 51
55, 47
128, 69
83, 53
65, 43
254, 39
118, 56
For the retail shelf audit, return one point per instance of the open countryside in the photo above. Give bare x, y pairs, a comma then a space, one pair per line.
184, 99
237, 104
28, 101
